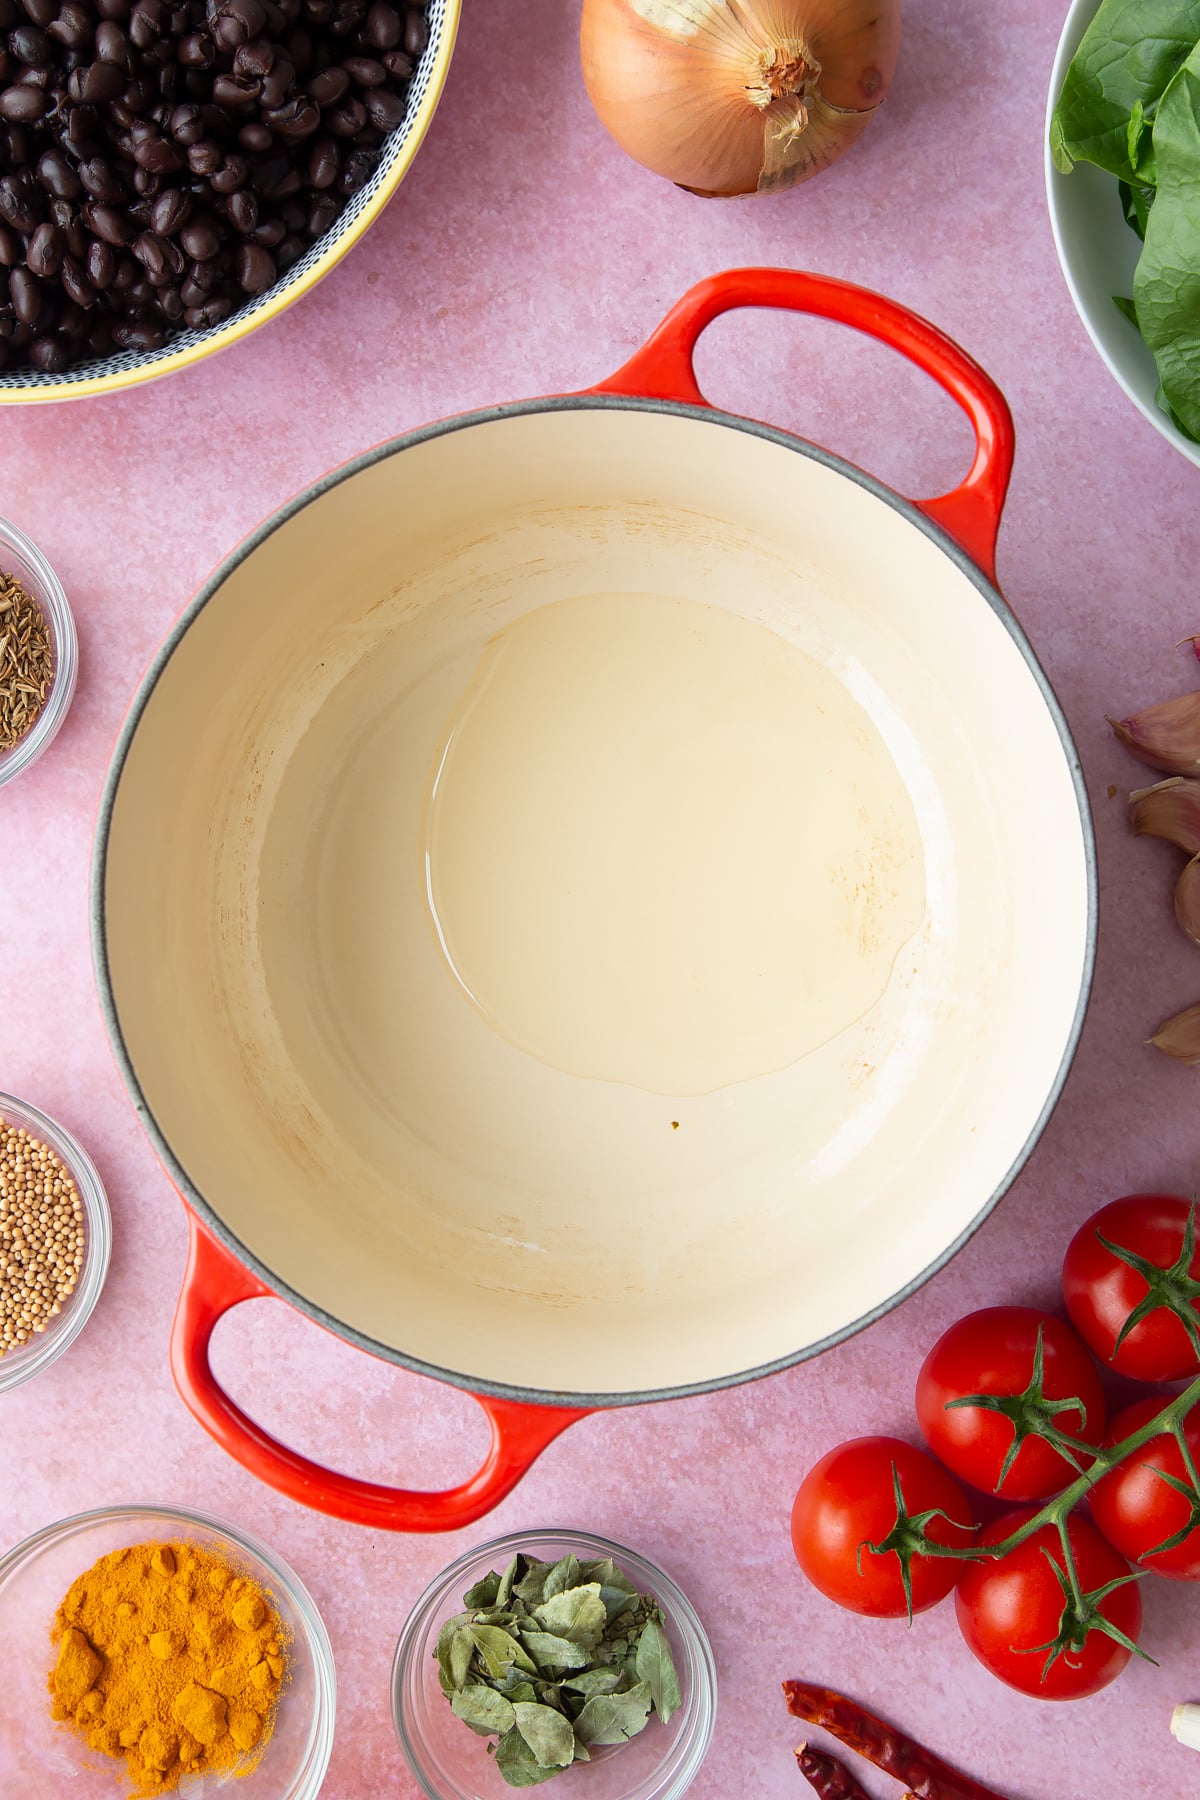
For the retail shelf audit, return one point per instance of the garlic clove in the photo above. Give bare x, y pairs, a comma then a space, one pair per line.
1185, 1725
1166, 736
1180, 1037
1187, 900
1170, 810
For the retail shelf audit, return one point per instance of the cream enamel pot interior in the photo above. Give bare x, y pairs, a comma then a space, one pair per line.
348, 1130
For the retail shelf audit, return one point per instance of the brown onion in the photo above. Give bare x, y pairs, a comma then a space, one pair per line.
738, 96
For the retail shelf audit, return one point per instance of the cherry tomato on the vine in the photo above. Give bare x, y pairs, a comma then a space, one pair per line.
1137, 1509
1014, 1612
1152, 1268
849, 1500
993, 1446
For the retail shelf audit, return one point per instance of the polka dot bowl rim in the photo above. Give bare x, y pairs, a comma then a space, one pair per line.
130, 368
30, 1359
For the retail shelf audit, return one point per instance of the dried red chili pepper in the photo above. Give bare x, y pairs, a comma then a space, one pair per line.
925, 1774
831, 1779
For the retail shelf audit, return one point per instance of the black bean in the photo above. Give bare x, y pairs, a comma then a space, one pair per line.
50, 354
360, 166
26, 294
58, 175
95, 83
113, 9
384, 109
11, 250
347, 16
324, 163
398, 65
328, 87
107, 223
196, 51
101, 180
232, 174
255, 268
384, 26
186, 124
101, 264
23, 103
200, 238
208, 313
41, 12
243, 212
169, 302
416, 31
254, 60
269, 232
172, 209
158, 155
146, 184
44, 251
299, 118
255, 137
288, 184
74, 25
82, 123
232, 92
345, 119
205, 157
365, 71
143, 29
277, 85
76, 284
290, 251
18, 206
192, 292
139, 334
31, 45
324, 211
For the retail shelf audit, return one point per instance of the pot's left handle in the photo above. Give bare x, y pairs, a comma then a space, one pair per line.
213, 1283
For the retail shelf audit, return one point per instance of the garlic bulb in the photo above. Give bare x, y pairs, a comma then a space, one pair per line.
738, 96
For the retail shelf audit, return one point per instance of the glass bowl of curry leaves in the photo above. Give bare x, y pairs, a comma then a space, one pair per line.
554, 1655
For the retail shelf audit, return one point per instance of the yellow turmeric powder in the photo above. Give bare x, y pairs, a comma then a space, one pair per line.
170, 1659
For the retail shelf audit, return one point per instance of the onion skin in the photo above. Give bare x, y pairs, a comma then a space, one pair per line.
727, 97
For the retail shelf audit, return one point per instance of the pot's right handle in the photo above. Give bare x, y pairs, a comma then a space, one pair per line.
213, 1283
663, 369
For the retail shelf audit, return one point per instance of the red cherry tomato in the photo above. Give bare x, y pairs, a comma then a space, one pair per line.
1136, 1509
1101, 1289
994, 1352
848, 1500
1011, 1609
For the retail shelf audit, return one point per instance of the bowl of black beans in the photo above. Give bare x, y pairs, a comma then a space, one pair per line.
173, 173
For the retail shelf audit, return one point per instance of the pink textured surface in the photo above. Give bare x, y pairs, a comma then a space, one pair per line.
524, 254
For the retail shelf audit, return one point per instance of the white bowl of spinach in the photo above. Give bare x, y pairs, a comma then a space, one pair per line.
1123, 185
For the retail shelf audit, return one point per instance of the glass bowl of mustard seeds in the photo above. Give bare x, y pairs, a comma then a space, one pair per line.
39, 653
55, 1240
43, 1756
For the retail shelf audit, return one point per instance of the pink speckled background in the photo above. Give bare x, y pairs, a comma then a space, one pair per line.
524, 254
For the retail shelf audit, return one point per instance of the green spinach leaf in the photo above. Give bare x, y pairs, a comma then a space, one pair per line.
1129, 55
1166, 282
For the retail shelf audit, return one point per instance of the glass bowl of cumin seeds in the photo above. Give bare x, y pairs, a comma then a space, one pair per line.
55, 1226
39, 652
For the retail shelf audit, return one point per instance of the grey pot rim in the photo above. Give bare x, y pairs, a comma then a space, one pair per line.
204, 1211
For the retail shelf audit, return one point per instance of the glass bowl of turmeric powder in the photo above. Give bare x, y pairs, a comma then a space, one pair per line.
181, 1656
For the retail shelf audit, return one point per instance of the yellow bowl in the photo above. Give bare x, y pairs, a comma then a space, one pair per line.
105, 375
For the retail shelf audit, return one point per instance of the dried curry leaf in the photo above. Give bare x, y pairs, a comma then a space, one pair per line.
517, 1763
548, 1734
552, 1652
614, 1718
656, 1667
484, 1592
483, 1709
462, 1649
500, 1650
577, 1613
565, 1574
